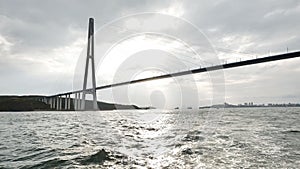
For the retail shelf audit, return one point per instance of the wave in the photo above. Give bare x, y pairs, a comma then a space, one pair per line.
291, 131
51, 163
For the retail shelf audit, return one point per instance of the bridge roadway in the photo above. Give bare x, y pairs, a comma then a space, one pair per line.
197, 70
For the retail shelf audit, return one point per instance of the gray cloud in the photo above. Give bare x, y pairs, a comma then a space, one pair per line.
40, 42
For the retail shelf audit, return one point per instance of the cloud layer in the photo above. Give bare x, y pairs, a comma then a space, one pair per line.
40, 42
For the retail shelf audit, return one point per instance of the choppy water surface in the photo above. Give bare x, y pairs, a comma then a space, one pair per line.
230, 138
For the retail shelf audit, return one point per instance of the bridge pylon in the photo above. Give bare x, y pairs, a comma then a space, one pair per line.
90, 57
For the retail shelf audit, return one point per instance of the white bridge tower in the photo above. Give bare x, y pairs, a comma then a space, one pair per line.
90, 57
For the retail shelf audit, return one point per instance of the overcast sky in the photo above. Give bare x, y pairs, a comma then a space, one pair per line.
42, 44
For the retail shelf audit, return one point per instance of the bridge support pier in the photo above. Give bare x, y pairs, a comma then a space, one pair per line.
57, 103
77, 101
50, 102
54, 103
69, 102
66, 102
60, 102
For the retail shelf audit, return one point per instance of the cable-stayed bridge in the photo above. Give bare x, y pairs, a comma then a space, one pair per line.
62, 101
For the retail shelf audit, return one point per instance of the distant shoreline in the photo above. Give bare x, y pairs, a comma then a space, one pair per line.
226, 105
32, 103
13, 103
251, 105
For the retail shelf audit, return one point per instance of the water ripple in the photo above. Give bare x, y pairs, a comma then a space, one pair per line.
242, 138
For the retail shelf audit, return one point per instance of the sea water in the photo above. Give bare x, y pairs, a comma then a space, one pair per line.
207, 138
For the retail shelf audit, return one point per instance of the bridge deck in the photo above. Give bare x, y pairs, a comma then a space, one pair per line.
199, 70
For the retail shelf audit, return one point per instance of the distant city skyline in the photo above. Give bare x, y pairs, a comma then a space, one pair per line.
41, 43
